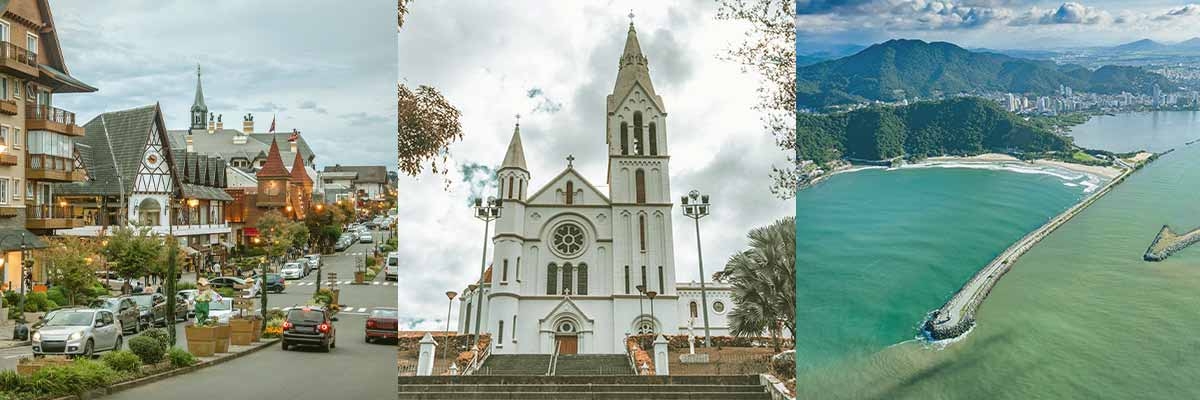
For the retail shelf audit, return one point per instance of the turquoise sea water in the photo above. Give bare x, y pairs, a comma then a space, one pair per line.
1080, 316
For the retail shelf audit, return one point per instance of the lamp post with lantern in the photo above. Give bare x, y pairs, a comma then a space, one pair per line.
487, 213
446, 345
696, 209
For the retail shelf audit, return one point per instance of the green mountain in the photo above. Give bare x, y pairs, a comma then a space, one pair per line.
905, 68
958, 126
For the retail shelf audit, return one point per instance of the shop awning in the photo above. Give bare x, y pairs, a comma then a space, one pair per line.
250, 231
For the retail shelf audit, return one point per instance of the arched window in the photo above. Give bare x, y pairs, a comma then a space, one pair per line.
500, 332
582, 280
626, 279
552, 279
642, 231
510, 185
653, 140
639, 182
692, 308
638, 144
662, 285
522, 195
644, 278
514, 329
645, 327
518, 275
566, 282
624, 138
467, 320
504, 271
570, 192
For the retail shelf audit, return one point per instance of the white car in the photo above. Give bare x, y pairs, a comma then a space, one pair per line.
366, 237
190, 296
221, 310
314, 261
391, 270
80, 332
292, 270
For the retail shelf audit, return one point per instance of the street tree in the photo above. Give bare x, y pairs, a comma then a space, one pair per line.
769, 49
133, 252
764, 282
279, 234
68, 259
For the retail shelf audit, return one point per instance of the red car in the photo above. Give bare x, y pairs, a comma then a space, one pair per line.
381, 324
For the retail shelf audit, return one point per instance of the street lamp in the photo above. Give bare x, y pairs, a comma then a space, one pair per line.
653, 320
696, 210
446, 343
487, 213
641, 291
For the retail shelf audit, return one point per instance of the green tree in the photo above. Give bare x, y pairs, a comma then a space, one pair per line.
133, 252
68, 260
279, 234
764, 282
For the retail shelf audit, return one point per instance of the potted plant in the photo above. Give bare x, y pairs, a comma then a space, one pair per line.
223, 334
242, 331
202, 337
257, 329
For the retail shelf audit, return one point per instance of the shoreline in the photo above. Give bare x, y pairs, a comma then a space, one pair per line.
1089, 176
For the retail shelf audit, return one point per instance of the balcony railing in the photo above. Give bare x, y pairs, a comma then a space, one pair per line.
49, 114
49, 211
51, 168
10, 51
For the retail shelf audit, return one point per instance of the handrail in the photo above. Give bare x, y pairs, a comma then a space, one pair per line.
18, 53
477, 360
553, 359
44, 112
631, 356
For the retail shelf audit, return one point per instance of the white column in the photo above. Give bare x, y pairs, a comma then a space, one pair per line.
661, 359
425, 359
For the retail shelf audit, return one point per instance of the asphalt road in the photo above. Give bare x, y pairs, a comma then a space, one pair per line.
353, 370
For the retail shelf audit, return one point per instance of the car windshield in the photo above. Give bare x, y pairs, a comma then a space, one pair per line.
144, 301
291, 266
384, 313
110, 304
302, 315
222, 305
272, 277
70, 318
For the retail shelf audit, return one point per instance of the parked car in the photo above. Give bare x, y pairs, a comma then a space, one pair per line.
314, 262
342, 244
292, 270
110, 279
79, 332
222, 310
309, 326
231, 282
275, 283
124, 310
189, 297
382, 324
366, 237
152, 308
391, 269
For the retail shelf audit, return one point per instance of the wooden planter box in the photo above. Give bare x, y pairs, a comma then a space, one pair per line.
242, 332
30, 366
201, 341
223, 333
258, 330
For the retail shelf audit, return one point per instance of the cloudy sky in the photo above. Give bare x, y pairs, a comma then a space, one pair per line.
328, 72
1005, 24
554, 63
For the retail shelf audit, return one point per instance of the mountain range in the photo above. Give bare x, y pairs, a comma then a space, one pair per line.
903, 68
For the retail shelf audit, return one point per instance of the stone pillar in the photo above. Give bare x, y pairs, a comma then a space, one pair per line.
428, 352
661, 359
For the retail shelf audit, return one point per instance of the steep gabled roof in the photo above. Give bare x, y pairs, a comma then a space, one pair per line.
633, 70
116, 141
274, 166
299, 173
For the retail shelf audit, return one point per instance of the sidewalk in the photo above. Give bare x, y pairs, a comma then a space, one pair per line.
6, 332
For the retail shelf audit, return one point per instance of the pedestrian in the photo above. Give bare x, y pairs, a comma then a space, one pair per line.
126, 288
255, 286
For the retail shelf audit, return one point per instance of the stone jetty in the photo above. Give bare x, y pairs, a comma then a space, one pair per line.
1168, 242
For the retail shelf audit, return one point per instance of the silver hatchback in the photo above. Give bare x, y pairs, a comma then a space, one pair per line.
79, 332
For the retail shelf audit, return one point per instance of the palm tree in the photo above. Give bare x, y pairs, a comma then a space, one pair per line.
764, 282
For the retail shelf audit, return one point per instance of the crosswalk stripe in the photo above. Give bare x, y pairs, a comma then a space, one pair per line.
374, 283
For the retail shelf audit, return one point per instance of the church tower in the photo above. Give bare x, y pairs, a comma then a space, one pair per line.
639, 183
509, 240
273, 180
199, 110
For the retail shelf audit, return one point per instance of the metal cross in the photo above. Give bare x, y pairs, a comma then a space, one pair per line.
631, 16
518, 119
570, 160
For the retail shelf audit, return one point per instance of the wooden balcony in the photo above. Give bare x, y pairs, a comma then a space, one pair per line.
18, 60
51, 217
43, 167
47, 118
8, 107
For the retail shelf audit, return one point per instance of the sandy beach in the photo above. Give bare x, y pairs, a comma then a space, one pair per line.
1105, 172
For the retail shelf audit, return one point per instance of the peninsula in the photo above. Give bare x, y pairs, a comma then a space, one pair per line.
1167, 242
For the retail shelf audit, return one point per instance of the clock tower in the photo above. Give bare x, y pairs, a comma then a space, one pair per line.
273, 180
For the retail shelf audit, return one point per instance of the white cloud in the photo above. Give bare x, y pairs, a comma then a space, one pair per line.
487, 56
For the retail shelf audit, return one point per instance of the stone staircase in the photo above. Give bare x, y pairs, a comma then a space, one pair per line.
516, 364
627, 387
592, 364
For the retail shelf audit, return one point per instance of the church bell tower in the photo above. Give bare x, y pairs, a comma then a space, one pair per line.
199, 110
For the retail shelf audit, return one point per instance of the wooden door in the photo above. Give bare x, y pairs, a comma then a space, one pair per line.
568, 344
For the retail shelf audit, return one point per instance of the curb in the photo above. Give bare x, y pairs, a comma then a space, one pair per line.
122, 386
16, 344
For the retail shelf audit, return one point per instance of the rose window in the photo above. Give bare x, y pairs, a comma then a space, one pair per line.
568, 239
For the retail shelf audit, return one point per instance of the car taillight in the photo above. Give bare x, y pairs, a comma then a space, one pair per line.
324, 328
371, 323
287, 325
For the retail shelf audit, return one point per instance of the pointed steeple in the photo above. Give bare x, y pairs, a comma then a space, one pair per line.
515, 156
273, 168
632, 68
299, 173
199, 109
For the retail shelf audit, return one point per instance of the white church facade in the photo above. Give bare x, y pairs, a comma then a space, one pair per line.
568, 259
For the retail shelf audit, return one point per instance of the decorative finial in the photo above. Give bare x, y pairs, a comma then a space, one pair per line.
197, 70
630, 16
570, 161
518, 120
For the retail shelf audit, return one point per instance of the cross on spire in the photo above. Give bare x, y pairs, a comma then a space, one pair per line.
570, 161
518, 119
631, 16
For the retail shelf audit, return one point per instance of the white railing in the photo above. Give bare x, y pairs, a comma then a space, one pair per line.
477, 359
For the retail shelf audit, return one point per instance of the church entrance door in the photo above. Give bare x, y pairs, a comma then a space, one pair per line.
567, 344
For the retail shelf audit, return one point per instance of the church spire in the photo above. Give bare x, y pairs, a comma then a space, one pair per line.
199, 109
273, 167
515, 156
632, 68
